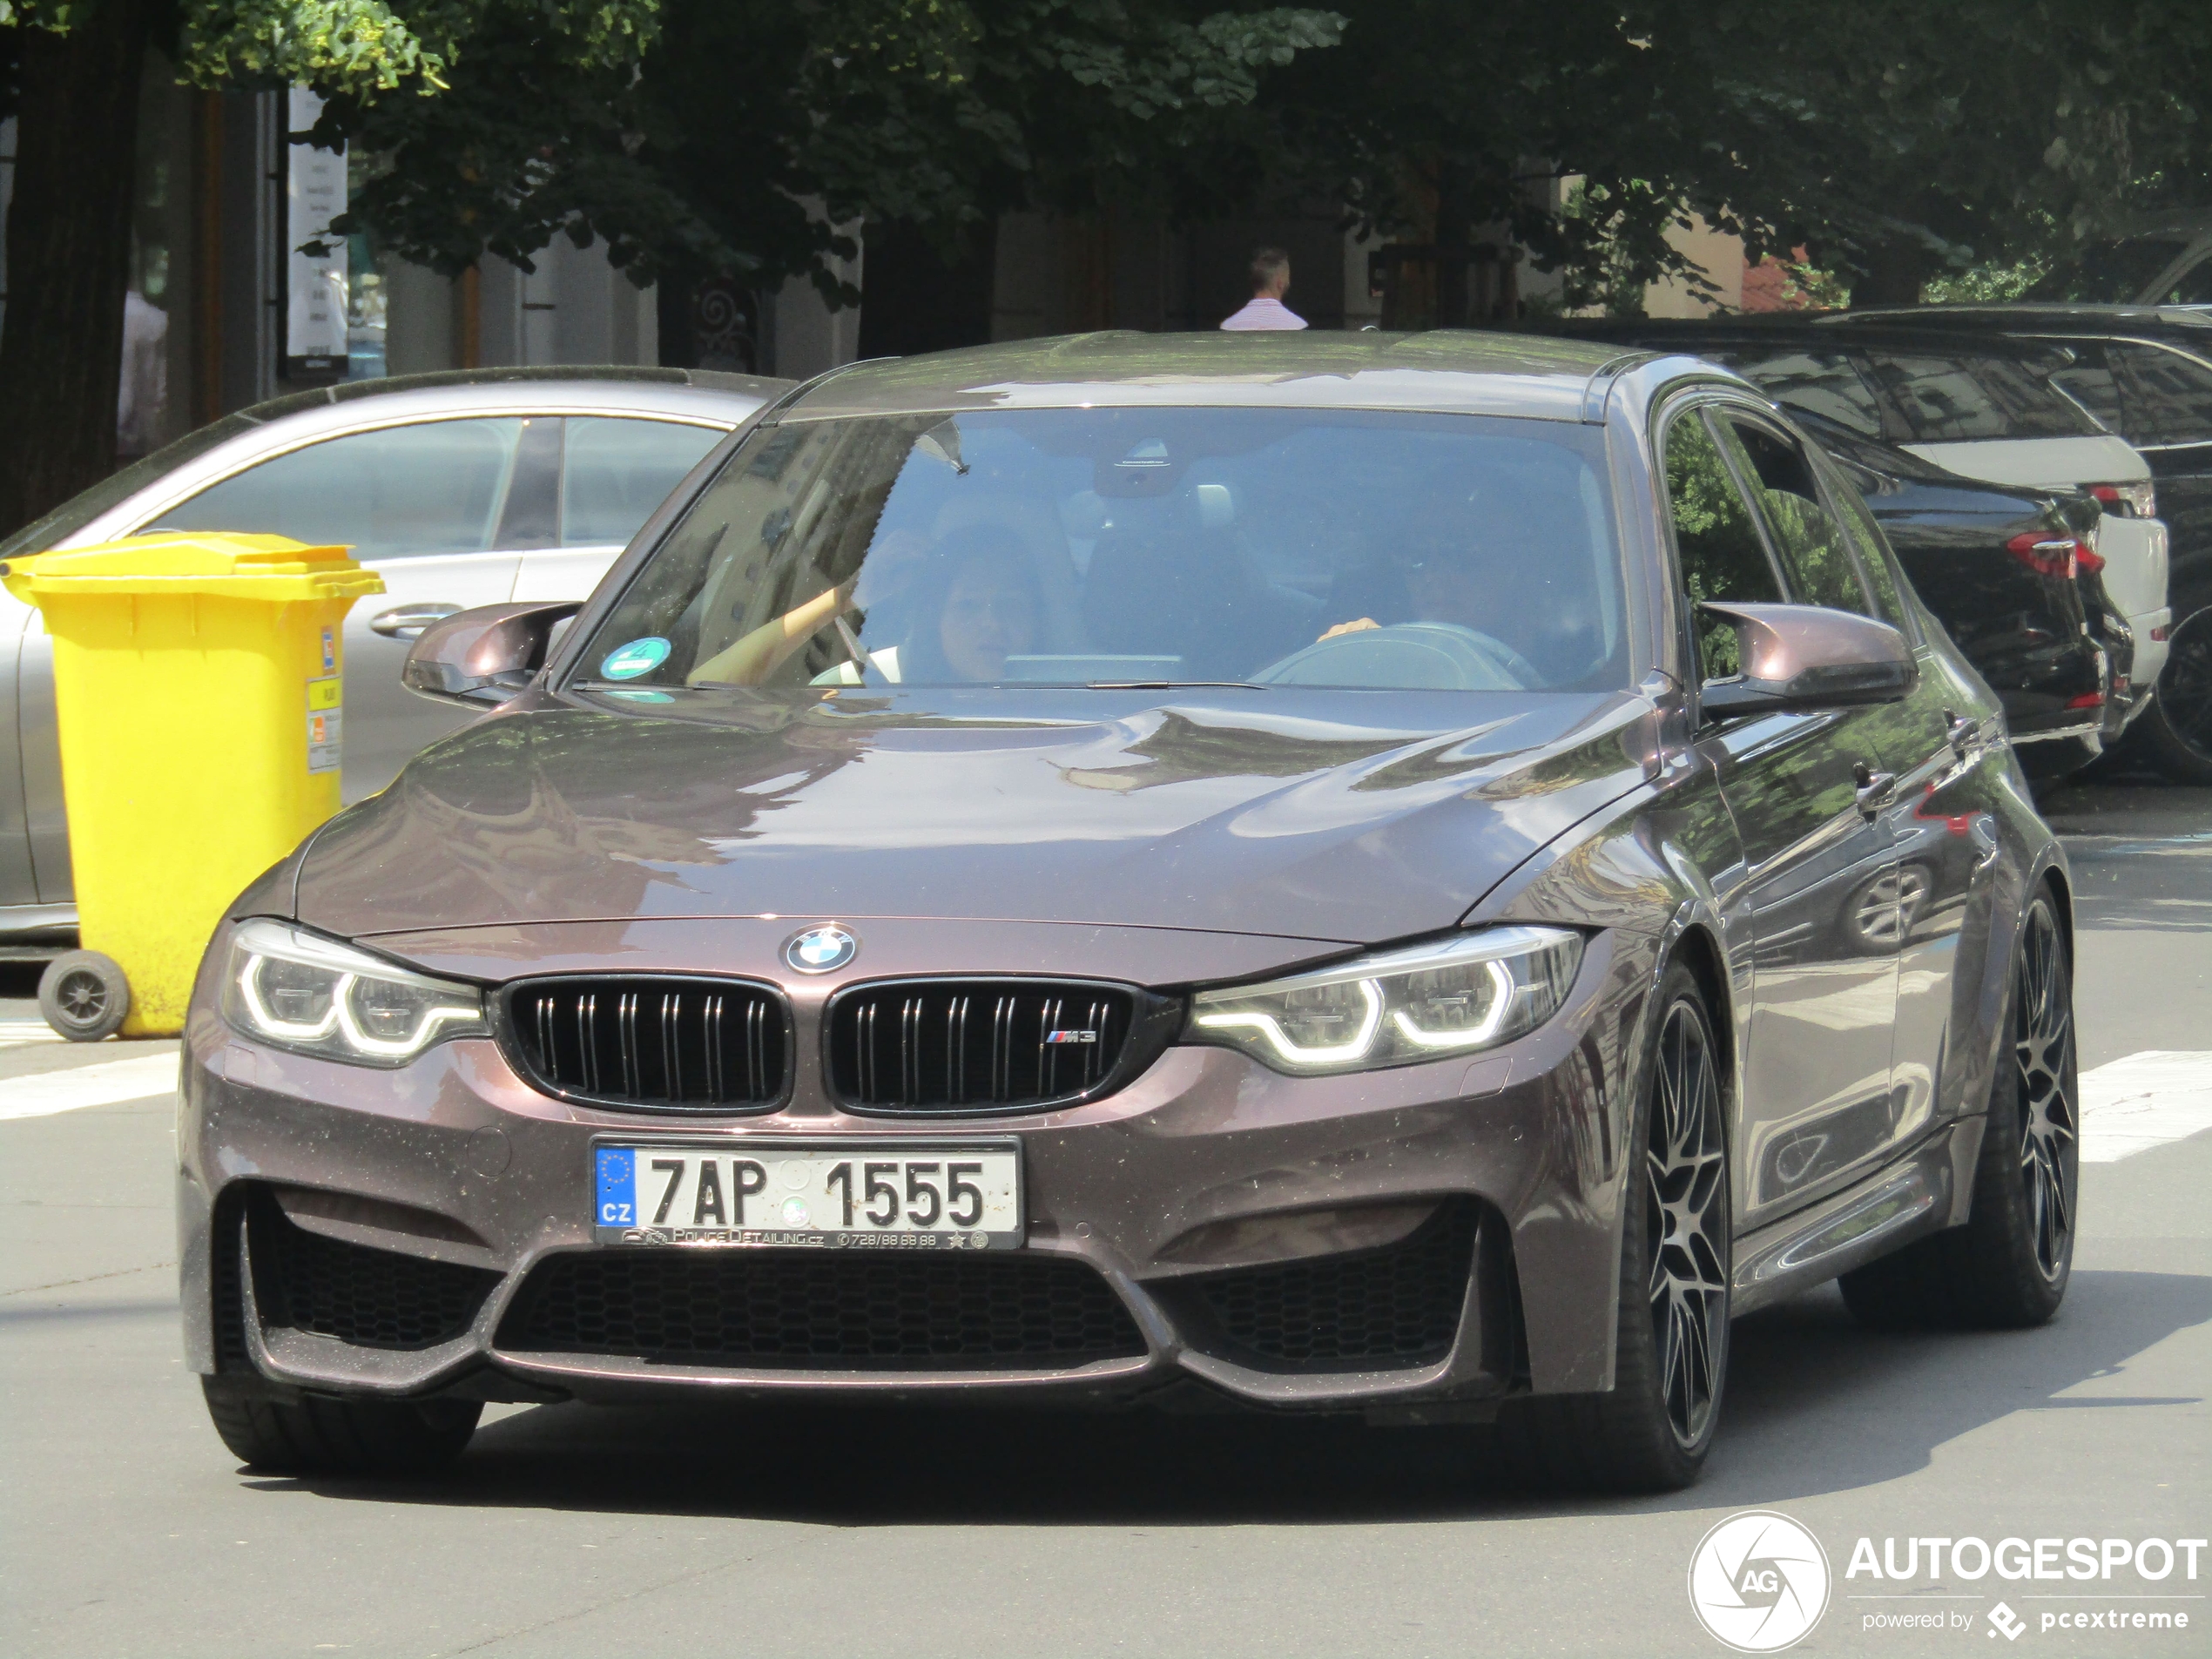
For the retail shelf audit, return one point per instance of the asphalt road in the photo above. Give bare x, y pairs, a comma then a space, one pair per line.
125, 1529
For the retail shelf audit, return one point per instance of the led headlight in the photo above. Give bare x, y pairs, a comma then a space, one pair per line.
1455, 995
296, 989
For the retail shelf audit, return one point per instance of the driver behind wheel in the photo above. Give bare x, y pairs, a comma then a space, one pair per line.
1499, 563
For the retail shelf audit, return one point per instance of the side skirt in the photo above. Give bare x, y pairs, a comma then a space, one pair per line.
1898, 1203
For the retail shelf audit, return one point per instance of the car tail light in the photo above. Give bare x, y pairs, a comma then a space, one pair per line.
2047, 555
2128, 500
2086, 700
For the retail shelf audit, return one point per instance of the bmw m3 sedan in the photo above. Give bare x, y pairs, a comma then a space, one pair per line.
1409, 876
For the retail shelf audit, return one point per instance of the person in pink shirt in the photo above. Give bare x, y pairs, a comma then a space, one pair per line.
1271, 281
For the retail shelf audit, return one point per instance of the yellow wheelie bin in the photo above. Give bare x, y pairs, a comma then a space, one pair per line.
197, 685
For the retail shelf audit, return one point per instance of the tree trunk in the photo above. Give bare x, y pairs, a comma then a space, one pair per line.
1895, 273
69, 257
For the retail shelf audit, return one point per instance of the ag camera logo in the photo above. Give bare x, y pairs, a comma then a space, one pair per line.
1758, 1581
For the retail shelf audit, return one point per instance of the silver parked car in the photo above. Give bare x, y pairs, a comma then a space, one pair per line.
461, 488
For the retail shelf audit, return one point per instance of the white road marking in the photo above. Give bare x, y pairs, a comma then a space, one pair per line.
2142, 1101
15, 1033
108, 1084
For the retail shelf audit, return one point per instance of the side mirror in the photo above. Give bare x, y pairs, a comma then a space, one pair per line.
1801, 658
483, 656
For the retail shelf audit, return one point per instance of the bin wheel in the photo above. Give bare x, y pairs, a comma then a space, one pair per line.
83, 995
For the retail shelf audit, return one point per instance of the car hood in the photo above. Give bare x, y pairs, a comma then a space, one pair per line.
1351, 816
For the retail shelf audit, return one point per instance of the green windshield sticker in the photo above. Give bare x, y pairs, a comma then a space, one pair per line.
639, 657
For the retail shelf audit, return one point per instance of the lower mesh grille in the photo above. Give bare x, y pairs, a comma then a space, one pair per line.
747, 1307
1399, 1304
373, 1298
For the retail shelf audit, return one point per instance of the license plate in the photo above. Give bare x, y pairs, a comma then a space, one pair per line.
940, 1197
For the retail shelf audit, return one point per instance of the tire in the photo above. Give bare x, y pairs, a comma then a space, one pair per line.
2007, 1268
340, 1436
1651, 1433
83, 995
2174, 733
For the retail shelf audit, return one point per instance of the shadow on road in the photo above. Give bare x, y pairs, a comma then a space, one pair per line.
1815, 1405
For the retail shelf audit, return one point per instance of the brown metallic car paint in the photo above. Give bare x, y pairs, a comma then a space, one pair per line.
1171, 840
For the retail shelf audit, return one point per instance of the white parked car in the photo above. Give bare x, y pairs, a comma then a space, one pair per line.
1987, 408
461, 488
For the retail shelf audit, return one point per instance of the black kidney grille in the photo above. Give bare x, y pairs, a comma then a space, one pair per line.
373, 1298
1401, 1303
656, 1042
847, 1309
960, 1045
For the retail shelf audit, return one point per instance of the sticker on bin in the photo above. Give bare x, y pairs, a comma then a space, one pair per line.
325, 721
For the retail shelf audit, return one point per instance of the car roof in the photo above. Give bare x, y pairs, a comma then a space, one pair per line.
1458, 371
705, 394
2172, 322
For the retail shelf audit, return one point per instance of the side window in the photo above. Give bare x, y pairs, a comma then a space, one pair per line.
1823, 383
2087, 378
1877, 560
1815, 552
2172, 392
1722, 555
438, 486
618, 469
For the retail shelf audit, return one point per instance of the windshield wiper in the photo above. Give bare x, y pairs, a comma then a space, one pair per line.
1170, 685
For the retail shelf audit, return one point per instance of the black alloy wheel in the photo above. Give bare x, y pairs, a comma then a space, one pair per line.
2176, 730
2008, 1266
1652, 1430
1685, 1224
2048, 1147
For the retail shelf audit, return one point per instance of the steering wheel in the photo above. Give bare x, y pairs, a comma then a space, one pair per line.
1410, 657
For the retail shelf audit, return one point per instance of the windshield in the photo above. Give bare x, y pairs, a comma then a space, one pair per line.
82, 508
1139, 547
1947, 398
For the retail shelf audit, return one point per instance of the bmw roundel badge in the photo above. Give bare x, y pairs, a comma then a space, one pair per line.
820, 950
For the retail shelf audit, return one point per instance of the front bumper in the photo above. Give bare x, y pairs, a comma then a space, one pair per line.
454, 1174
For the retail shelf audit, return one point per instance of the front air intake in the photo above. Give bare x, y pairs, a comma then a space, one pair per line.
655, 1043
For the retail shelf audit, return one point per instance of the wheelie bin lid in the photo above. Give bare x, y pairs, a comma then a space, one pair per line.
221, 562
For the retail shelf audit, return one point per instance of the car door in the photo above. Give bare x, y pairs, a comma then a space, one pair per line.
1918, 908
1947, 738
442, 509
614, 471
1814, 1097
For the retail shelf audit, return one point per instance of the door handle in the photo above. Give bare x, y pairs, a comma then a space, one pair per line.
1875, 789
408, 622
1959, 732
